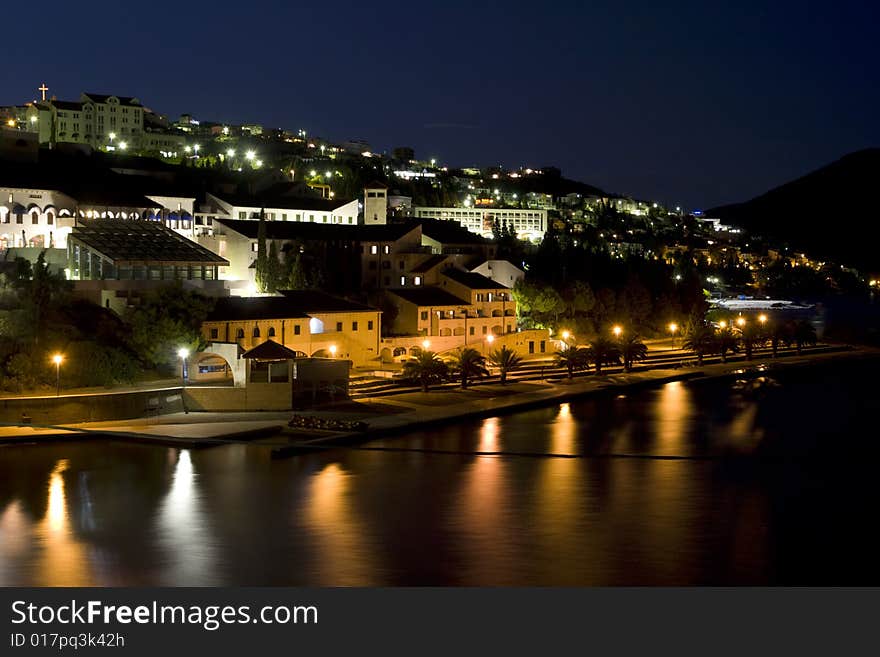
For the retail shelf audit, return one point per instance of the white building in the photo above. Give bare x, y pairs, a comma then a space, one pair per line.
502, 272
528, 224
311, 210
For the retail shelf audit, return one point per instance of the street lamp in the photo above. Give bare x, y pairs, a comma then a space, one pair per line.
57, 359
426, 344
617, 330
123, 145
673, 327
230, 152
250, 155
183, 353
566, 335
762, 319
722, 324
740, 321
332, 351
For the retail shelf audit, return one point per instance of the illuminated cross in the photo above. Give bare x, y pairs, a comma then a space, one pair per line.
43, 88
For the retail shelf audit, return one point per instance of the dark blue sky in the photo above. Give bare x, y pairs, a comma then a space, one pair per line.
686, 102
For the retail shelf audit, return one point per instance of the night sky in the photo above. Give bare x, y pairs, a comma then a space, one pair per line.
689, 103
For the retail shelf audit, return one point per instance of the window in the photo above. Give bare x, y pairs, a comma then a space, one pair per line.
484, 331
543, 346
471, 329
424, 315
239, 334
374, 249
372, 265
296, 329
256, 333
271, 332
531, 346
213, 334
418, 280
354, 326
370, 325
339, 326
255, 247
242, 215
35, 218
387, 249
402, 281
386, 264
400, 265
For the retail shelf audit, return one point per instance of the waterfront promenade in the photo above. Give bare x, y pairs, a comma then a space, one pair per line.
404, 411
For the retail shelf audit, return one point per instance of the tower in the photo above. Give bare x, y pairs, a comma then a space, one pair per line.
375, 204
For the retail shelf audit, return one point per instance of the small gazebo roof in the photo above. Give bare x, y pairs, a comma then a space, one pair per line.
270, 350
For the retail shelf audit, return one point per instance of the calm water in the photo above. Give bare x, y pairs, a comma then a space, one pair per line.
779, 486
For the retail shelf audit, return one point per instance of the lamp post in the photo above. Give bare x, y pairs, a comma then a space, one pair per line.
617, 330
673, 327
57, 359
426, 344
332, 351
183, 353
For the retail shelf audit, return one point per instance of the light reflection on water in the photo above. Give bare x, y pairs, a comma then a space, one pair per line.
592, 505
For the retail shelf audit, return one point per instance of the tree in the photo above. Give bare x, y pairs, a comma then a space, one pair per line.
167, 319
39, 290
506, 360
803, 333
572, 358
261, 273
274, 276
726, 341
632, 349
603, 351
752, 336
700, 339
297, 279
427, 368
468, 364
579, 299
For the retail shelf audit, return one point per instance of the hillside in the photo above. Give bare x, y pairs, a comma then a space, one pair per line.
830, 213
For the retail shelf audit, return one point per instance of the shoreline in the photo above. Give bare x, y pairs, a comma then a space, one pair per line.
569, 390
407, 411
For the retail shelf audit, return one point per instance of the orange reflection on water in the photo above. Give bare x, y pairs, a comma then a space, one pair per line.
344, 554
673, 414
62, 560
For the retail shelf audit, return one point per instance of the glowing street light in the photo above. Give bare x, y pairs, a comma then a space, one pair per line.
328, 174
332, 351
722, 324
57, 359
196, 148
762, 319
123, 145
230, 152
617, 330
673, 327
250, 155
313, 173
490, 338
740, 321
566, 335
426, 344
112, 136
183, 353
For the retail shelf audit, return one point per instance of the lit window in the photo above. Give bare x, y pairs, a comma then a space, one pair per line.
374, 249
418, 280
403, 280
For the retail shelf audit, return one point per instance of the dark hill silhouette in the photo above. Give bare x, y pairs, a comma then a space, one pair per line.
831, 213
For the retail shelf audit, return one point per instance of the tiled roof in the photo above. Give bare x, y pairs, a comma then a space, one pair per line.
315, 301
428, 296
232, 309
472, 280
306, 230
270, 350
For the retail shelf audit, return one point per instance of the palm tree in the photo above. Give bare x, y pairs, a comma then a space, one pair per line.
779, 333
727, 341
803, 333
700, 339
632, 349
506, 360
603, 351
752, 336
468, 363
572, 358
426, 368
